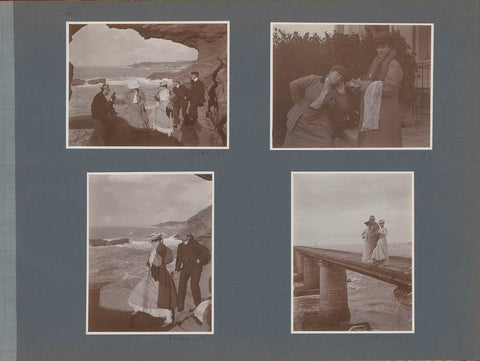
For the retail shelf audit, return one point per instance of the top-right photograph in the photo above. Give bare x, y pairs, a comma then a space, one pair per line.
351, 86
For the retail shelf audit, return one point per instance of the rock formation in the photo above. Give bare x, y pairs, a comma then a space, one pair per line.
210, 40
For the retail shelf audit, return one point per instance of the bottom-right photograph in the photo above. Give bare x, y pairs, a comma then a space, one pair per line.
352, 252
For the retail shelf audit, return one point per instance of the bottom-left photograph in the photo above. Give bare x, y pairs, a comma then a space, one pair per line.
150, 253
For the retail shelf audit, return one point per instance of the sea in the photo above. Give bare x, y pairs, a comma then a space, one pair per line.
118, 77
127, 261
369, 299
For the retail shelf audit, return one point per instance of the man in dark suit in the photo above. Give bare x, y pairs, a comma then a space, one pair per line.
179, 102
197, 96
103, 113
191, 257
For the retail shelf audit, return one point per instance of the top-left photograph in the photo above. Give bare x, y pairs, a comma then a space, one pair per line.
147, 85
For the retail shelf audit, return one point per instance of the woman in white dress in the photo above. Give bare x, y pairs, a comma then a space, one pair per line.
367, 250
156, 294
380, 253
160, 120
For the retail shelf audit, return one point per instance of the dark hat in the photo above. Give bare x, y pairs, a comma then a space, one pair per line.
384, 37
340, 70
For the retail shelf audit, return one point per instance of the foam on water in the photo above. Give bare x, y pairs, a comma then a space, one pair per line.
149, 83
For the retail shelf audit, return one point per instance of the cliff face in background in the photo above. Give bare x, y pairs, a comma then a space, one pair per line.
200, 225
210, 40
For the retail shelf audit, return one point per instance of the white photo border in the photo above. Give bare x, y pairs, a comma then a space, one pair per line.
272, 26
211, 332
67, 82
292, 283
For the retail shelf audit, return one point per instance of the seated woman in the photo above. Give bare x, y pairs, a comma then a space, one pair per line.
308, 121
379, 111
134, 112
160, 119
156, 294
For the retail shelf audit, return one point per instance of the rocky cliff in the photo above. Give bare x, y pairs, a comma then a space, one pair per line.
210, 40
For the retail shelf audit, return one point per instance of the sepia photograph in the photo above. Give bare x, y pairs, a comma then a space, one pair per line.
147, 84
352, 252
351, 86
150, 253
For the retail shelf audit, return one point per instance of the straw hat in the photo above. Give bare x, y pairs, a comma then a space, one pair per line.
135, 84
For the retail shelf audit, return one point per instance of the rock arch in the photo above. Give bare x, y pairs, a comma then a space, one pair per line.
210, 40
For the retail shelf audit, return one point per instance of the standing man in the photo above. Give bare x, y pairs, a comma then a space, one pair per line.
197, 96
104, 114
179, 102
372, 236
191, 257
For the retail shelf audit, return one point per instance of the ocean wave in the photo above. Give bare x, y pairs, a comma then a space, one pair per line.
148, 83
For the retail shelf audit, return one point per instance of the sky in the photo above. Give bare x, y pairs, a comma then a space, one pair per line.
145, 199
320, 29
331, 208
98, 45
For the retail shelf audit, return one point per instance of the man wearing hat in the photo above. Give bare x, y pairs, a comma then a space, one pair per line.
191, 257
308, 121
179, 102
372, 237
103, 113
197, 96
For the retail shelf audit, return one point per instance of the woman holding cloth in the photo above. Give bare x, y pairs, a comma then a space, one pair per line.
379, 111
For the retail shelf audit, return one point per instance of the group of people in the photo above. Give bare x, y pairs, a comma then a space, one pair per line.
375, 248
164, 117
310, 123
156, 293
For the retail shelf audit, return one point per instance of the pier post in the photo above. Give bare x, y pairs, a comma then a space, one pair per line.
311, 273
403, 296
299, 262
333, 292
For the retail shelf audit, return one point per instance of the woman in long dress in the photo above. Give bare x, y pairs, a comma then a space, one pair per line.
380, 124
134, 112
308, 121
380, 253
367, 250
159, 117
156, 294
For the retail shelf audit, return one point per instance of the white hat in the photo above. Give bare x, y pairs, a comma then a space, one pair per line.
135, 84
381, 221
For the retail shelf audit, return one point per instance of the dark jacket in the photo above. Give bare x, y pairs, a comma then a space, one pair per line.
181, 94
189, 254
197, 93
102, 108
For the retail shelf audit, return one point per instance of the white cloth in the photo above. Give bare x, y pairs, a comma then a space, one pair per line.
372, 102
380, 253
200, 310
135, 98
151, 259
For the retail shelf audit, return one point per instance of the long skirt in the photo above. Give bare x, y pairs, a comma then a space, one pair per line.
159, 119
380, 253
155, 297
309, 133
135, 115
367, 250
